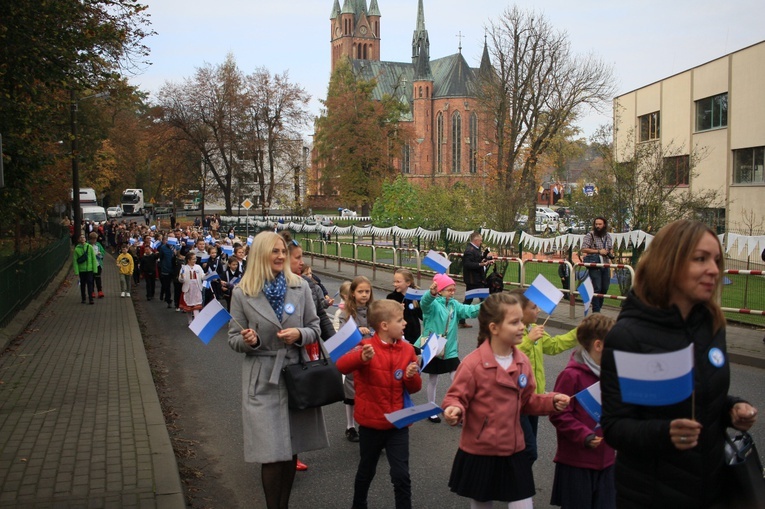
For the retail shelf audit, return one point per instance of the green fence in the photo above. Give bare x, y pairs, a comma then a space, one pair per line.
23, 276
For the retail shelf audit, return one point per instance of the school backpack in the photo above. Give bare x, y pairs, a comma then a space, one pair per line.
496, 281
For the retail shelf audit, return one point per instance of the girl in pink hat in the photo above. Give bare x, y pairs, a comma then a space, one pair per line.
441, 314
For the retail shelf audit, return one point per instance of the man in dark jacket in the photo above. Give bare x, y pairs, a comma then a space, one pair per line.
474, 263
166, 255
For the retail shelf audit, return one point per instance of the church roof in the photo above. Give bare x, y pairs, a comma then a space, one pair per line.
452, 77
374, 10
335, 10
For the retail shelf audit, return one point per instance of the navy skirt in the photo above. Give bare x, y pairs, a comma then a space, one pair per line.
500, 478
583, 487
439, 366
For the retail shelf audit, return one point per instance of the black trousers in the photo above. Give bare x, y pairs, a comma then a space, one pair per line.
86, 284
151, 284
396, 445
166, 285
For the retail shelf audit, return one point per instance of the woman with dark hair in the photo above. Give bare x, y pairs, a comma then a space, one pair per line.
672, 455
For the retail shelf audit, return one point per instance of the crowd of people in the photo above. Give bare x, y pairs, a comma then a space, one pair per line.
636, 455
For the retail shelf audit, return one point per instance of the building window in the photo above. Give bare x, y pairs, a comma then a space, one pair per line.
649, 126
677, 171
456, 142
712, 112
406, 159
748, 165
440, 143
473, 142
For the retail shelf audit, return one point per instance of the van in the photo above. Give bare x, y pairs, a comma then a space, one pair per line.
87, 195
93, 213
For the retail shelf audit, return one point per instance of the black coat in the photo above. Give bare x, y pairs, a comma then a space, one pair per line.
473, 273
412, 315
650, 471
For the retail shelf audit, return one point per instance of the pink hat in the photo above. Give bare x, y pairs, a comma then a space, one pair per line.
442, 281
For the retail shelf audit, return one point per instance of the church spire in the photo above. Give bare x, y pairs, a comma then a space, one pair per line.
374, 10
335, 10
486, 67
421, 48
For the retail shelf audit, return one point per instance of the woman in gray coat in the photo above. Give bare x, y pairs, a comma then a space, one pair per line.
276, 309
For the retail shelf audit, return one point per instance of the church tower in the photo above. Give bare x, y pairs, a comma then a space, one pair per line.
422, 97
355, 31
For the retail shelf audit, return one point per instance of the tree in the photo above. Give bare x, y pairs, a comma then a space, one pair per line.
356, 136
51, 52
243, 127
645, 186
538, 89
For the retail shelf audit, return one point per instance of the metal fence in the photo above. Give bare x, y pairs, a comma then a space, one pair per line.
23, 276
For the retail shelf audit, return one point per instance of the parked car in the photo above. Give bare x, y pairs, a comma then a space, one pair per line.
112, 212
347, 213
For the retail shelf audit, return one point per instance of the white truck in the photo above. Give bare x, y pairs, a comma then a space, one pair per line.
132, 202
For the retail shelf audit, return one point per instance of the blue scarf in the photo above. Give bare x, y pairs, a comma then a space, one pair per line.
275, 291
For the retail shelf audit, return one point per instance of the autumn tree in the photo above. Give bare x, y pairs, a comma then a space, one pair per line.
355, 137
244, 127
538, 89
52, 53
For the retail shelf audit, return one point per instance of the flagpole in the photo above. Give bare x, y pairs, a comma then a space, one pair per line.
693, 405
548, 317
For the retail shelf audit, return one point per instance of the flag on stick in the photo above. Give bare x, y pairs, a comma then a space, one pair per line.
586, 291
544, 294
432, 347
414, 294
406, 416
209, 321
477, 293
436, 262
655, 379
344, 340
589, 399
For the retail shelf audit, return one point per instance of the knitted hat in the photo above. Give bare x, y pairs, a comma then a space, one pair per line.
442, 281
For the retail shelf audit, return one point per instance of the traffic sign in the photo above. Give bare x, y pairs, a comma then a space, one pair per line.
247, 204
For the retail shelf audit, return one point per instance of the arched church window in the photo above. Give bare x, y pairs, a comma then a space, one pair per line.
456, 142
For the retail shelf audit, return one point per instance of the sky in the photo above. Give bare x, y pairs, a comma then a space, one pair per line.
643, 40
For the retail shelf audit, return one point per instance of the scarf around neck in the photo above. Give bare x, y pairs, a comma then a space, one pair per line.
275, 291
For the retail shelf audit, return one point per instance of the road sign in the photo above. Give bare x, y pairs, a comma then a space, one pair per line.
247, 204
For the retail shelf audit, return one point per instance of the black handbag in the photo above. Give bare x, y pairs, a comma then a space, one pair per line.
745, 476
314, 383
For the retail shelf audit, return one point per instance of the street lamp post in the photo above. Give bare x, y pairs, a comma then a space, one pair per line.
484, 169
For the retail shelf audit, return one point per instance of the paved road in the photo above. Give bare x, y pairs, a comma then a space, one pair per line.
204, 390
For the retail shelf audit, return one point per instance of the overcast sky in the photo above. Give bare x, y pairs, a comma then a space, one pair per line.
644, 40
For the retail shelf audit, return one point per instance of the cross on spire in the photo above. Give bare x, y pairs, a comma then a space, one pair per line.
460, 37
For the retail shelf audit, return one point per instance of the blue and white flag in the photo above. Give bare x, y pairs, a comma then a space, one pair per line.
190, 242
204, 258
209, 240
589, 399
436, 262
131, 241
155, 244
234, 281
209, 321
172, 241
406, 416
655, 379
211, 276
586, 291
544, 294
249, 240
478, 293
414, 294
228, 250
432, 348
344, 340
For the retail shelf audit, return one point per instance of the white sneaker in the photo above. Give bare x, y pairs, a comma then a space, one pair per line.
127, 294
122, 294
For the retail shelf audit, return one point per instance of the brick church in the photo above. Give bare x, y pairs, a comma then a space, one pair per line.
452, 139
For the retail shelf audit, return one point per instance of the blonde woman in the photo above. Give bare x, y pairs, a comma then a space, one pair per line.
276, 310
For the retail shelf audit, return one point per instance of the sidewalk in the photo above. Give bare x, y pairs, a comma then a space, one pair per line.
80, 420
745, 345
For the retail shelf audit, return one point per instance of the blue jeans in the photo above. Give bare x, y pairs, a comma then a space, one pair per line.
396, 445
601, 279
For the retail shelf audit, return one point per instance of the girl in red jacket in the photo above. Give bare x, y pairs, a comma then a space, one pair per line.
491, 388
584, 463
385, 367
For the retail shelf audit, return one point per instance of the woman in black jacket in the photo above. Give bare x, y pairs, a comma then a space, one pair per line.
673, 455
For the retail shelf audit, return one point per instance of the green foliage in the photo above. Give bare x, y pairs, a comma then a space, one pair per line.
400, 204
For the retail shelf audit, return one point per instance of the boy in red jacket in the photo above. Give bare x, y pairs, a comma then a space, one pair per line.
384, 366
